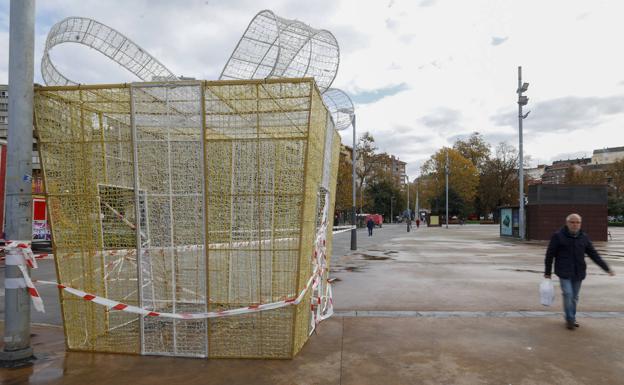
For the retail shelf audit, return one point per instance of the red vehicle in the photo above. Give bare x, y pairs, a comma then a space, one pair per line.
377, 218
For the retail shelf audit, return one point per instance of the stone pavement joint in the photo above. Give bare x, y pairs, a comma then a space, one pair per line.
472, 314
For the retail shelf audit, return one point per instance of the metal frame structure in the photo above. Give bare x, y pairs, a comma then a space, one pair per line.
275, 47
237, 179
340, 106
107, 41
271, 47
205, 157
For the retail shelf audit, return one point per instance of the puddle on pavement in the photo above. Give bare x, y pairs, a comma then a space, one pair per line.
526, 271
370, 257
535, 271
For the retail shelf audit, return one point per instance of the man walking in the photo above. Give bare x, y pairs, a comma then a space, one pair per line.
567, 248
370, 224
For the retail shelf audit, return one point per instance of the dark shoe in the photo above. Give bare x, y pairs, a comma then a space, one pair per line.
570, 325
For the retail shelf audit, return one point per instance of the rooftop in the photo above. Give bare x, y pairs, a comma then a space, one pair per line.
609, 149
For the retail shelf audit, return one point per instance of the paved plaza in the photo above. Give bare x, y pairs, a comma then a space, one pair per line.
433, 306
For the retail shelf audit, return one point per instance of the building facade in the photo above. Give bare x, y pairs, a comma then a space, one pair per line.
4, 132
556, 173
534, 175
607, 155
4, 110
393, 166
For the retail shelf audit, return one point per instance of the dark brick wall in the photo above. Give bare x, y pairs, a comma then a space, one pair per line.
544, 219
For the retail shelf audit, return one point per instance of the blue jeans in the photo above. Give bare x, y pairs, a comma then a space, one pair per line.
570, 290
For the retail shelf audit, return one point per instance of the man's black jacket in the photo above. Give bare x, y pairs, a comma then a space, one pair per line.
569, 251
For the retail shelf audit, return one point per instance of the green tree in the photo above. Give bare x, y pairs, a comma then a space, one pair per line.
344, 187
615, 174
457, 206
475, 149
577, 175
382, 193
366, 154
463, 175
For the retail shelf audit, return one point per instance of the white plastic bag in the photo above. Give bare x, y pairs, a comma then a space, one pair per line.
547, 292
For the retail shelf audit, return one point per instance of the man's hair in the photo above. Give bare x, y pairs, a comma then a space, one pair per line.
572, 216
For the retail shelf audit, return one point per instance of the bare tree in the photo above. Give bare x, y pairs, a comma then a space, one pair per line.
498, 184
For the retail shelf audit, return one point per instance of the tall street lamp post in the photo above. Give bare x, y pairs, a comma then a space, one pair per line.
417, 207
446, 173
522, 101
408, 202
409, 215
353, 160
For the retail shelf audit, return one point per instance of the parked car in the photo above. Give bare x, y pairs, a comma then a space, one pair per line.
377, 218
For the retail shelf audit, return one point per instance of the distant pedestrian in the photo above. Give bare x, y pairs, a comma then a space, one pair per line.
567, 248
417, 223
370, 224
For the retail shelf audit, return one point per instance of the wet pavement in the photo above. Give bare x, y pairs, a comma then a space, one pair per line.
433, 306
464, 268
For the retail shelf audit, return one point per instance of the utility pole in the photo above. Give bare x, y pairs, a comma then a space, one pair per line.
18, 178
391, 213
446, 172
409, 215
417, 208
353, 158
522, 101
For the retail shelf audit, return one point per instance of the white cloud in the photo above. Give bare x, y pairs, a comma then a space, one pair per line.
440, 52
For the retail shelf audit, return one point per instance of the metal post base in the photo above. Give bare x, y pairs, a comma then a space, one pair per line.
16, 358
353, 239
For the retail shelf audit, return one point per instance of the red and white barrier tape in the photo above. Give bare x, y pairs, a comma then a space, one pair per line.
315, 282
36, 256
19, 254
342, 229
321, 306
115, 305
321, 299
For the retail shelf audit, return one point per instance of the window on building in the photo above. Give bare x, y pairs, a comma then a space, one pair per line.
3, 120
4, 106
4, 94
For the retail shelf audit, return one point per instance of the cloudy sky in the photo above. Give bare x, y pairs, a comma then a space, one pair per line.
421, 72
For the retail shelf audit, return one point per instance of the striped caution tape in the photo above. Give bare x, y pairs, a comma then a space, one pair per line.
321, 306
321, 299
19, 254
116, 305
36, 256
342, 229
